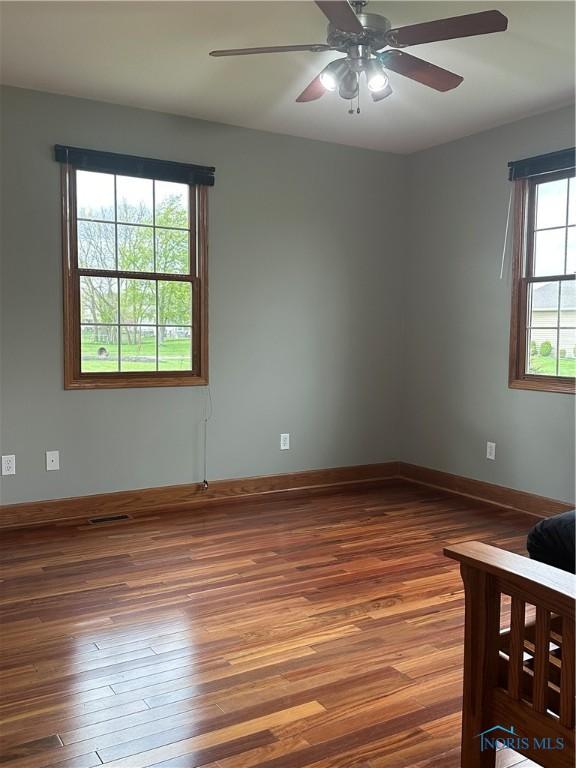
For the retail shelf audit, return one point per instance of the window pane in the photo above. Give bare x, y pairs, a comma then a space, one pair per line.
135, 248
568, 304
96, 245
134, 199
571, 253
543, 302
572, 203
551, 204
171, 204
99, 300
549, 249
567, 352
137, 302
137, 348
174, 349
172, 252
541, 357
94, 195
174, 303
99, 348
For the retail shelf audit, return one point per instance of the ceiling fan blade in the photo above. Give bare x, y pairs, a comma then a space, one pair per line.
420, 70
471, 24
340, 14
379, 95
314, 47
313, 91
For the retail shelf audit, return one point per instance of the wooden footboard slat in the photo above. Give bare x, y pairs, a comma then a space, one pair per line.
567, 674
516, 640
541, 661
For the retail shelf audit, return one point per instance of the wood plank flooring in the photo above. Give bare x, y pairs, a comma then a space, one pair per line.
315, 632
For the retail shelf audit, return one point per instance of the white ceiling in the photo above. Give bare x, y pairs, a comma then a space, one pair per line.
155, 55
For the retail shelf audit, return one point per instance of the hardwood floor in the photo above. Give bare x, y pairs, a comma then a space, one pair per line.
322, 631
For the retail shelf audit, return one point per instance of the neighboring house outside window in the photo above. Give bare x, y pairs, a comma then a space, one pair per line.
545, 331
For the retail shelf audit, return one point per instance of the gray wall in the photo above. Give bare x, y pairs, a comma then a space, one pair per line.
302, 284
369, 336
455, 393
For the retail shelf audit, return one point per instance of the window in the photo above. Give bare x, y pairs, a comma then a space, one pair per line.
135, 271
543, 330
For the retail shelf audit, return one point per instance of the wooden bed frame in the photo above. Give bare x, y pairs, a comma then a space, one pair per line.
518, 655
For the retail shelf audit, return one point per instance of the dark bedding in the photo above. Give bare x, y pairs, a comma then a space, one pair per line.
552, 541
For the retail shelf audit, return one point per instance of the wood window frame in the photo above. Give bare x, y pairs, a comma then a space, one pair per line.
74, 378
522, 264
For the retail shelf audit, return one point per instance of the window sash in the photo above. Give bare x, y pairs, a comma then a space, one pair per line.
523, 353
531, 190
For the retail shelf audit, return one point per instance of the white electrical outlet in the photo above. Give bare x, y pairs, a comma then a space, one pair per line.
491, 451
52, 460
9, 465
285, 441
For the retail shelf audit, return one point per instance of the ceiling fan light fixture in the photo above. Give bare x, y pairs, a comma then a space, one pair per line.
376, 77
332, 75
349, 85
329, 81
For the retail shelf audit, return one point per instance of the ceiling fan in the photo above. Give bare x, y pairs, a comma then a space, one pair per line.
363, 36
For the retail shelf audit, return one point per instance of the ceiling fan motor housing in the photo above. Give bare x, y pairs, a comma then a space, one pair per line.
373, 35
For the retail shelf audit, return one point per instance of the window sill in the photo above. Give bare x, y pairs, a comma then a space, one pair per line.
122, 381
563, 386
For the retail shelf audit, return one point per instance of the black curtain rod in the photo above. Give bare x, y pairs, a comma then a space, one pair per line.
130, 165
562, 160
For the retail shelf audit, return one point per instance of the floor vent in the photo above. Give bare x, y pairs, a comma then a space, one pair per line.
110, 519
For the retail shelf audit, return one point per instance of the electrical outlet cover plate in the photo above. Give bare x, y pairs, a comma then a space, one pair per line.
285, 441
491, 451
52, 460
9, 465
